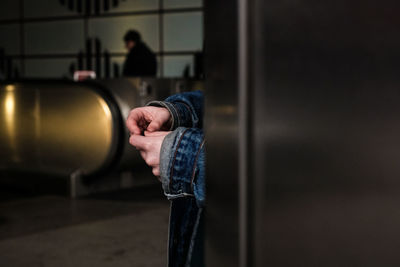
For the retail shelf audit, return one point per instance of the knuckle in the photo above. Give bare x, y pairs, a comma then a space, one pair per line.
153, 161
156, 172
150, 161
147, 161
134, 113
131, 140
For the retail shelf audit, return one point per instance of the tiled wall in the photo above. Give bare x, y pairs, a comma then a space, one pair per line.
44, 38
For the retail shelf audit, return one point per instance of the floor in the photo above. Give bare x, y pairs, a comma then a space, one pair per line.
125, 228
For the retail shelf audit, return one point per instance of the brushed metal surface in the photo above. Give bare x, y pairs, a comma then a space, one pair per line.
323, 134
54, 128
221, 127
326, 133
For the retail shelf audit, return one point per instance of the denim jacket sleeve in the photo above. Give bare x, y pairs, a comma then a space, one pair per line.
182, 164
186, 109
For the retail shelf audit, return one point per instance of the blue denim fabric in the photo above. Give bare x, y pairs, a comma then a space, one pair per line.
182, 164
186, 237
189, 107
186, 109
182, 168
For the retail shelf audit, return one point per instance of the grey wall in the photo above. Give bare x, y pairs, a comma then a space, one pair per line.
42, 38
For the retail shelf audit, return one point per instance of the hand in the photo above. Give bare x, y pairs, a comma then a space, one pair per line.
149, 118
149, 146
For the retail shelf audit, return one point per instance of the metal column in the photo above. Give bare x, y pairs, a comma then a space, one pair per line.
303, 126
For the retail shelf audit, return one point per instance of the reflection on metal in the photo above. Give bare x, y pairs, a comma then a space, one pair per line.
36, 115
9, 112
318, 136
226, 110
10, 88
60, 128
56, 129
222, 131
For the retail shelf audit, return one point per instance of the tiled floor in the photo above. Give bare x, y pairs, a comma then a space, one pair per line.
127, 228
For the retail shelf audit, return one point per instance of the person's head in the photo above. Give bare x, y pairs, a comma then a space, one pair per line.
132, 38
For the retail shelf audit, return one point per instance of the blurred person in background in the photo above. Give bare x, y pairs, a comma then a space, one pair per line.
140, 61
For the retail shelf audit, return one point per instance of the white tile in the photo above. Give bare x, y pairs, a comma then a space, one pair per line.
54, 37
182, 3
132, 5
174, 66
9, 9
183, 31
48, 68
46, 8
10, 38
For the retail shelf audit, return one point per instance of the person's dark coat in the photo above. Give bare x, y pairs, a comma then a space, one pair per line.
140, 61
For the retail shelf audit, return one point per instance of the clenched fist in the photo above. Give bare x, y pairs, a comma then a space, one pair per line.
149, 119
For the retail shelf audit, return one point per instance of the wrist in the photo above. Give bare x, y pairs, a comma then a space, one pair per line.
173, 121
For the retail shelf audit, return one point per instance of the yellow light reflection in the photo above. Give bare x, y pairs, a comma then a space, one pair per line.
10, 88
106, 108
107, 116
9, 111
36, 115
9, 106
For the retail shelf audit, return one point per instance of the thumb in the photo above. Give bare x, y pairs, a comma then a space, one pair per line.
155, 134
138, 141
154, 126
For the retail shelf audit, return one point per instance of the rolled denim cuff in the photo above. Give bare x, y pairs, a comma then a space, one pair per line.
181, 113
185, 114
190, 108
172, 110
165, 155
179, 164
